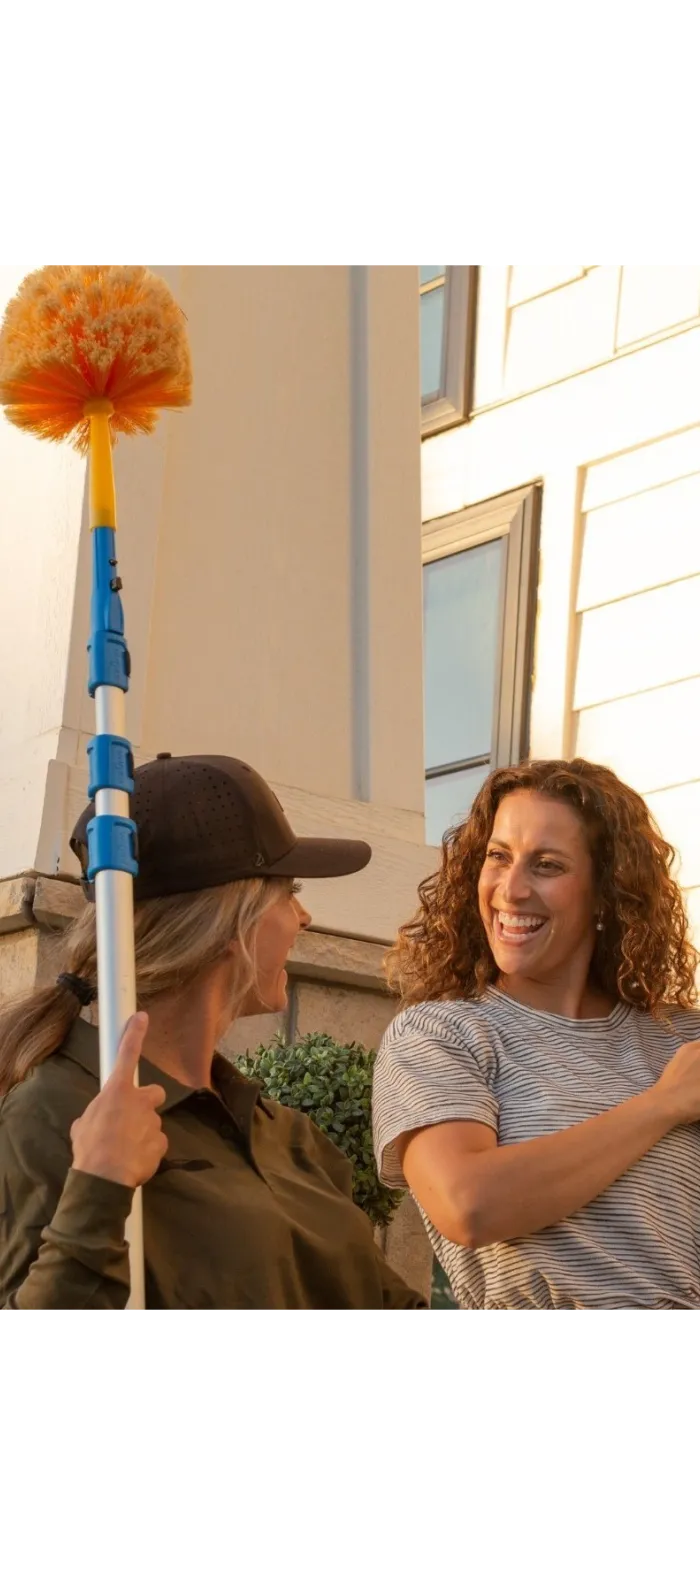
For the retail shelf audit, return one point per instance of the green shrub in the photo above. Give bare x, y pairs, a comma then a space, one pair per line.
331, 1083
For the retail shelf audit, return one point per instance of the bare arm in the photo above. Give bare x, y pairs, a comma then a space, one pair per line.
477, 1192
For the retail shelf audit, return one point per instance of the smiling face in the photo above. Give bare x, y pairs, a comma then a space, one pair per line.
537, 896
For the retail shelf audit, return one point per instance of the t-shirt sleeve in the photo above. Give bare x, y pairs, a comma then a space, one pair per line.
430, 1068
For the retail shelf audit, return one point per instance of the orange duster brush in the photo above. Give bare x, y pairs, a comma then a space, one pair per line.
86, 353
74, 335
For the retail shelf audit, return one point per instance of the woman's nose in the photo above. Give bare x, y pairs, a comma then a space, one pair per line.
303, 915
515, 886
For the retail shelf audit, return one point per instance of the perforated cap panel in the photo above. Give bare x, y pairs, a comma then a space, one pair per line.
204, 820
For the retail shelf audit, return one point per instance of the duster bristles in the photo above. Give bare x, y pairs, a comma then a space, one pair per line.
73, 335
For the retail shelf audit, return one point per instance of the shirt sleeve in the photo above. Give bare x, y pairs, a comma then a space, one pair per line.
62, 1232
430, 1068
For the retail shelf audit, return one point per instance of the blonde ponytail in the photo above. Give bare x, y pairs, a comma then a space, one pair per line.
176, 939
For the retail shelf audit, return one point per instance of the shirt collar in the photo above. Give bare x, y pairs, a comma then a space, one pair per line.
240, 1094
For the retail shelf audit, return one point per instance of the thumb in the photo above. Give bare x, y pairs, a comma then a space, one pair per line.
130, 1046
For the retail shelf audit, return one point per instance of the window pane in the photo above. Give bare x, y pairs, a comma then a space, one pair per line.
426, 274
432, 313
461, 606
449, 799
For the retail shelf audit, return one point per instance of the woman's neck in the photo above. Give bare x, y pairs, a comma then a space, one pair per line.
183, 1033
564, 997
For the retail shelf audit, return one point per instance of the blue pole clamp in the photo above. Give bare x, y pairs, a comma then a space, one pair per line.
110, 663
111, 764
112, 845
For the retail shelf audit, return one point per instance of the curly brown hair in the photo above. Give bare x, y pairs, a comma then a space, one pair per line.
643, 955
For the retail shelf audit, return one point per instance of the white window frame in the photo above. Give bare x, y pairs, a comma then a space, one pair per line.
515, 515
452, 403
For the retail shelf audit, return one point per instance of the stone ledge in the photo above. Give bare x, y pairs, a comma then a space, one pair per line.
53, 902
335, 959
16, 899
50, 901
56, 902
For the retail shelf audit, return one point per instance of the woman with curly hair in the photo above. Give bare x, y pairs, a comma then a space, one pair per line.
539, 1091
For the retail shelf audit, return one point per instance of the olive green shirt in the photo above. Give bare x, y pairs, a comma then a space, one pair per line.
251, 1207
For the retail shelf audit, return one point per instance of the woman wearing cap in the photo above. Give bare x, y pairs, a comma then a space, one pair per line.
246, 1203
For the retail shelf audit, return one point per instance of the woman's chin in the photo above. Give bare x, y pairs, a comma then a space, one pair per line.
270, 1001
507, 961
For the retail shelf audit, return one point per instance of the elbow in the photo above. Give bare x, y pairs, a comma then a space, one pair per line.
467, 1233
463, 1222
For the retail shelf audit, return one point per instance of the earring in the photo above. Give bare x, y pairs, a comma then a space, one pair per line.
599, 925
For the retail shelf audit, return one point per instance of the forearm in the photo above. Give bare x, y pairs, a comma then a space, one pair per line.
520, 1188
83, 1261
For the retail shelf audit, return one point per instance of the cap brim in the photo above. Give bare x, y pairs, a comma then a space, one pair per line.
322, 858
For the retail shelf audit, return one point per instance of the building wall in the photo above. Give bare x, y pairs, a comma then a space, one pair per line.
589, 380
269, 544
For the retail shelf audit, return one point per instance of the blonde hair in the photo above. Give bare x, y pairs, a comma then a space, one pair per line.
176, 939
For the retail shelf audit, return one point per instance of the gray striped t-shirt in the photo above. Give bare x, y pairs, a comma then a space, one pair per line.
524, 1074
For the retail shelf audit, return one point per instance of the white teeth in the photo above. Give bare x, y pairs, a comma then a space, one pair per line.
517, 921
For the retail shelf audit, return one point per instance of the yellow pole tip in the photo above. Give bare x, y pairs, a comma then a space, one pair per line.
98, 407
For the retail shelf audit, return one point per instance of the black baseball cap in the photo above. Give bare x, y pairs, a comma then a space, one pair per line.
205, 820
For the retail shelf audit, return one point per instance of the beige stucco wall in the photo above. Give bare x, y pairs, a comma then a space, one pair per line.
589, 380
269, 544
